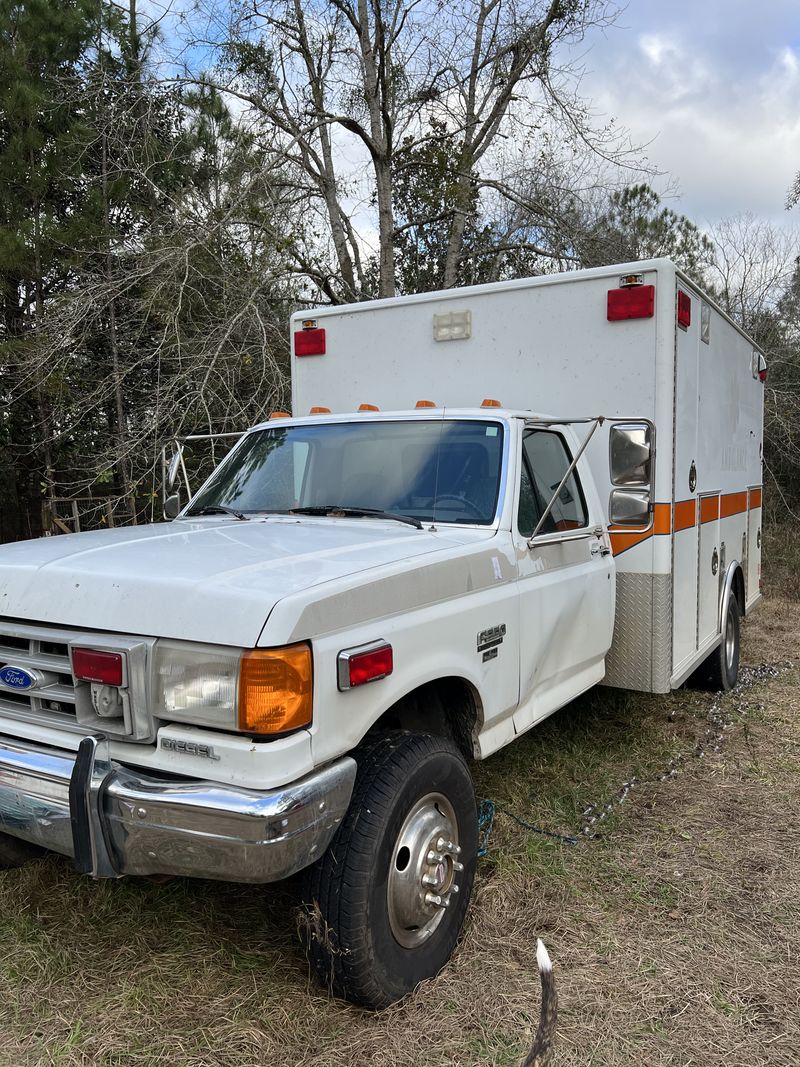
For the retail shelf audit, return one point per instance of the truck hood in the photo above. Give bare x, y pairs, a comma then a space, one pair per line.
214, 580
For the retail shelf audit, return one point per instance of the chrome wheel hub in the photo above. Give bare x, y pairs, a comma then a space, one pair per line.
423, 876
730, 643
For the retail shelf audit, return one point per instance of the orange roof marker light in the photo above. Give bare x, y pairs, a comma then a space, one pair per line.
425, 404
319, 411
279, 415
368, 407
491, 404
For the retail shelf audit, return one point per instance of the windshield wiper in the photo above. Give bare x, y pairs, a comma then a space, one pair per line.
370, 513
218, 509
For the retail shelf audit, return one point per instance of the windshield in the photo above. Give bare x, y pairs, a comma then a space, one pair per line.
442, 470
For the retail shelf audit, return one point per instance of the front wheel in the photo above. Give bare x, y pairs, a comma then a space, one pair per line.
385, 905
723, 664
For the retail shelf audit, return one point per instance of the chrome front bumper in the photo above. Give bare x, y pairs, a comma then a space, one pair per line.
115, 820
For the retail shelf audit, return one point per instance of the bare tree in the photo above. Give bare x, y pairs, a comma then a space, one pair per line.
355, 87
752, 266
756, 278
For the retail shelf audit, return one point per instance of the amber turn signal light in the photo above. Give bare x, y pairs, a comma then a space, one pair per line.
275, 689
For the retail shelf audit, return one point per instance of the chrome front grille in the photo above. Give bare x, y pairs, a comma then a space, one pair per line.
57, 699
38, 649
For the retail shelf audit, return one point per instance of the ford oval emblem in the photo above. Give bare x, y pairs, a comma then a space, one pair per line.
16, 678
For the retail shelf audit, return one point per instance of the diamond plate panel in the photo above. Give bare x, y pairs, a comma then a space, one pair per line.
641, 652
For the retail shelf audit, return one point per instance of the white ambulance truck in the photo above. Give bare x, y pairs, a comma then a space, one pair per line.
486, 501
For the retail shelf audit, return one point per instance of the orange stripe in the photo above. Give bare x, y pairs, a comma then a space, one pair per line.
622, 541
669, 518
709, 508
733, 503
662, 519
685, 515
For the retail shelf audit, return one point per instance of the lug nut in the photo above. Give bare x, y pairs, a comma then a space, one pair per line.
436, 900
458, 866
429, 879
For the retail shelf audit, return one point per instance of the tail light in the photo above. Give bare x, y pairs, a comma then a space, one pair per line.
631, 302
309, 342
684, 309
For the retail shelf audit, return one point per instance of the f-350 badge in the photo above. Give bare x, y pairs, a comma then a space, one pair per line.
489, 641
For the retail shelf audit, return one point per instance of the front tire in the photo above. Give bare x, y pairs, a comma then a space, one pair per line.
723, 664
385, 905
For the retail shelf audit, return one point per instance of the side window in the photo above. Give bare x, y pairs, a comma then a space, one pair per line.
545, 462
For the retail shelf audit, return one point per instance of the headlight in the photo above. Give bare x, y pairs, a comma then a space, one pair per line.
260, 691
197, 683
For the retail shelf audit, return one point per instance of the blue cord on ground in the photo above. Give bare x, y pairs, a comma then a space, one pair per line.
487, 809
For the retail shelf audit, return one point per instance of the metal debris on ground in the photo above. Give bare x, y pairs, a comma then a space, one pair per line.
719, 719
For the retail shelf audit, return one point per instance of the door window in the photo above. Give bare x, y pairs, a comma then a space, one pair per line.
545, 460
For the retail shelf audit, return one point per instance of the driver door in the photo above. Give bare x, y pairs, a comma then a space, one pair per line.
566, 579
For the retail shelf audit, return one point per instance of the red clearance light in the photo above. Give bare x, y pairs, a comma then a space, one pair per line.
309, 342
684, 309
358, 668
637, 302
762, 375
90, 665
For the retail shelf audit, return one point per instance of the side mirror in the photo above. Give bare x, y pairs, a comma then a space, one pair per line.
172, 506
629, 507
630, 453
174, 467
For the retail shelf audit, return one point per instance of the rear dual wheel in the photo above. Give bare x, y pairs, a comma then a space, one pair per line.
722, 666
385, 905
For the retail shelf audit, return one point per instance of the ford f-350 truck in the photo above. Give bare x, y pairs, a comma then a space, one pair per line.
404, 575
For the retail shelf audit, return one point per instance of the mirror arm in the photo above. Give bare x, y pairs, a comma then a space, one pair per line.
595, 423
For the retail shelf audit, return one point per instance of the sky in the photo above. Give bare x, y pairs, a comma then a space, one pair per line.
709, 88
712, 88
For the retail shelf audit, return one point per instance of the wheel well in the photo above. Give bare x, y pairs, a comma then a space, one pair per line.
446, 707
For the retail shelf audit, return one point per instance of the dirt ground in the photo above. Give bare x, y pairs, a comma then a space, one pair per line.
673, 923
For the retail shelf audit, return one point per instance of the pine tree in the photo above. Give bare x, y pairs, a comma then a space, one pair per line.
41, 145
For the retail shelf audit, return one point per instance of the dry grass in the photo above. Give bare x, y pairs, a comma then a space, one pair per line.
673, 923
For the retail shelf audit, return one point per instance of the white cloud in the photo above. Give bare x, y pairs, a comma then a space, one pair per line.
718, 104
